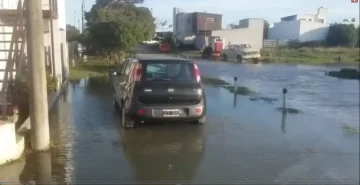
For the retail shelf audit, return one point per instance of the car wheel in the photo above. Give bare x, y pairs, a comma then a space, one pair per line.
126, 121
225, 57
199, 121
239, 58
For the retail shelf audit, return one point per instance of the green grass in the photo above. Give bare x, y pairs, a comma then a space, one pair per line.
215, 82
94, 67
351, 130
345, 73
316, 55
289, 110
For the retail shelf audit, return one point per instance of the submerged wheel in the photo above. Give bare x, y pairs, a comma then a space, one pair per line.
239, 58
126, 121
225, 58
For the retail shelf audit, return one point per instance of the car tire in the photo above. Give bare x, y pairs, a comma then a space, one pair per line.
126, 121
239, 58
225, 57
200, 121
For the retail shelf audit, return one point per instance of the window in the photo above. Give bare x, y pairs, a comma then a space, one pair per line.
169, 71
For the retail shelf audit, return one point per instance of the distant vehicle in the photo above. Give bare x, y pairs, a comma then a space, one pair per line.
240, 52
157, 88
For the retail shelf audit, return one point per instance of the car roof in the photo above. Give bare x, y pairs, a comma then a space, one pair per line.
161, 57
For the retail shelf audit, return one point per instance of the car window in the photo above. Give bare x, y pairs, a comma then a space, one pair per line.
169, 71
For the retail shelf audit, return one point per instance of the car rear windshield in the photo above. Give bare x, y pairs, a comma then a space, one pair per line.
169, 71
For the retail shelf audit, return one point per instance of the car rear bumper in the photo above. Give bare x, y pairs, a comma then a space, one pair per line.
155, 112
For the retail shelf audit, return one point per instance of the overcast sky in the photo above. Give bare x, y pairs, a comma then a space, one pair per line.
234, 10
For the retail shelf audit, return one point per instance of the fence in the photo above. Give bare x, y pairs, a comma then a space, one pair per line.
275, 43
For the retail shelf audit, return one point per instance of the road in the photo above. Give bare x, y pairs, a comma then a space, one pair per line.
242, 142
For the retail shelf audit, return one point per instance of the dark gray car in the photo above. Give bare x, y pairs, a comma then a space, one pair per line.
152, 88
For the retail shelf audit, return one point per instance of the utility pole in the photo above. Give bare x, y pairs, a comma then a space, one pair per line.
82, 15
75, 19
39, 119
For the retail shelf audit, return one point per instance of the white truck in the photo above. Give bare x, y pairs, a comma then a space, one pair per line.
240, 53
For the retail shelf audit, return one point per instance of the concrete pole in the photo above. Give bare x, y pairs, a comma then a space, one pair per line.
39, 119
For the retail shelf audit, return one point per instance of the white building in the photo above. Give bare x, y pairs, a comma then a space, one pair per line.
250, 31
191, 29
56, 13
301, 27
12, 144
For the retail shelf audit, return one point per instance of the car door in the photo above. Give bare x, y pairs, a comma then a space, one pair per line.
118, 81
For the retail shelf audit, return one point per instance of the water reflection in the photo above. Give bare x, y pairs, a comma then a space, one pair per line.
54, 165
170, 152
283, 122
235, 100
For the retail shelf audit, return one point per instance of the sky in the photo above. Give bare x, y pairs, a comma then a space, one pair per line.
234, 10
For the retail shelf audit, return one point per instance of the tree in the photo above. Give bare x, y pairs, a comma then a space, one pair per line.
114, 27
72, 33
342, 35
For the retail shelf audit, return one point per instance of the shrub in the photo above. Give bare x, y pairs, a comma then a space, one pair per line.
19, 90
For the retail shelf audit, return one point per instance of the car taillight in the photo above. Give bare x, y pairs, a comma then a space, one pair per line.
197, 73
137, 72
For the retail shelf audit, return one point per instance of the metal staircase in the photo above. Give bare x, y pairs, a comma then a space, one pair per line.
14, 48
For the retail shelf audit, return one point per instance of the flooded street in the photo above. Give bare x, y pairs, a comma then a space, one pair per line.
243, 141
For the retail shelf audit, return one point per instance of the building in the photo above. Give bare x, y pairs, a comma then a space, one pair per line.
13, 61
186, 26
301, 27
250, 31
193, 29
54, 35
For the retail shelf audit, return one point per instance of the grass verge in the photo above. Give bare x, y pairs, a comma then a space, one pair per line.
345, 74
314, 55
351, 130
94, 67
215, 82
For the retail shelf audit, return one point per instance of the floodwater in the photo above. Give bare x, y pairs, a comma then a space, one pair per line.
243, 141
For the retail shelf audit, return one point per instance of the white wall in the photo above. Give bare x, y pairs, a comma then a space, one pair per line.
285, 30
310, 31
61, 14
12, 4
303, 31
308, 17
184, 27
253, 34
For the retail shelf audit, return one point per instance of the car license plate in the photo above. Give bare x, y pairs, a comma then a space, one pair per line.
171, 112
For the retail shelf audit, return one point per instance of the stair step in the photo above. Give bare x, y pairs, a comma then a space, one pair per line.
4, 50
3, 70
9, 41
